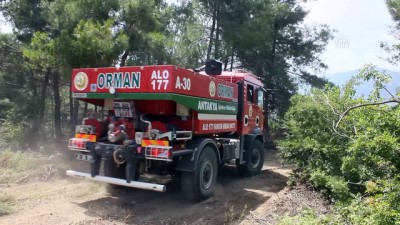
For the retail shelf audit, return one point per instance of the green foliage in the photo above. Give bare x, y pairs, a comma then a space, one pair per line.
13, 77
146, 24
12, 134
50, 38
270, 39
40, 51
336, 186
379, 205
348, 147
393, 49
309, 217
189, 45
95, 45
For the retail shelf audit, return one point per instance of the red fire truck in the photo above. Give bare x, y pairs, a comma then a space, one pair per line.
165, 118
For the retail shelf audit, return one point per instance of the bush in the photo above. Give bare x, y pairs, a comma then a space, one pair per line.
309, 217
11, 134
348, 148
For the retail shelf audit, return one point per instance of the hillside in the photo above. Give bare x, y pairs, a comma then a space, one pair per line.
364, 89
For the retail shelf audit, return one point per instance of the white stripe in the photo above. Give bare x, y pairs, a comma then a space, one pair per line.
206, 116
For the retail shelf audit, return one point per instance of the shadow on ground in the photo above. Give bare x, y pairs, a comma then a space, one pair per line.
234, 197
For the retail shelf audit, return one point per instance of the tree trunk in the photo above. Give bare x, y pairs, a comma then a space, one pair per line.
85, 109
32, 135
271, 70
227, 56
210, 42
216, 45
74, 108
148, 58
273, 51
57, 105
71, 112
217, 42
232, 55
226, 61
124, 57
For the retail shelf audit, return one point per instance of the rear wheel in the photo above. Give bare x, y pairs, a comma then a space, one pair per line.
200, 184
256, 161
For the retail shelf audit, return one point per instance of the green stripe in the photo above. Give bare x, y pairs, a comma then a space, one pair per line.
206, 105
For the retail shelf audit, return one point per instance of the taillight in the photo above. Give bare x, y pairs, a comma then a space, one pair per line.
158, 152
77, 143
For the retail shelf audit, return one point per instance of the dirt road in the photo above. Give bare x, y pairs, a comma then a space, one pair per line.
75, 201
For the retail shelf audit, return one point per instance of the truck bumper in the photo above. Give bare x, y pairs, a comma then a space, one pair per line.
122, 182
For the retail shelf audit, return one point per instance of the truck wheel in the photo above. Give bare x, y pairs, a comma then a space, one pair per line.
200, 184
256, 162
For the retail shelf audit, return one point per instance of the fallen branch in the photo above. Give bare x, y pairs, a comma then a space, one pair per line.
338, 133
390, 93
363, 105
24, 179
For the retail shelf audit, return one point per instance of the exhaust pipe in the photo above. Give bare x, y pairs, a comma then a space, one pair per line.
116, 181
146, 121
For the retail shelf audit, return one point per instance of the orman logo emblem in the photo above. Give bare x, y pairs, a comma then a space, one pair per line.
212, 89
250, 110
81, 81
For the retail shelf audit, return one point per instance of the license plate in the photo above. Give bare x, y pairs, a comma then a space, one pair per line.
83, 157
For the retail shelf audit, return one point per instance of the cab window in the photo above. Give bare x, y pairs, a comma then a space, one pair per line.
260, 98
250, 93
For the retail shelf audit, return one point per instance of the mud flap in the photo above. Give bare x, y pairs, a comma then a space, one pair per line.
95, 163
131, 165
188, 162
248, 145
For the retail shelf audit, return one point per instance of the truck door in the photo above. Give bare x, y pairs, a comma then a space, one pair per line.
249, 115
253, 108
250, 108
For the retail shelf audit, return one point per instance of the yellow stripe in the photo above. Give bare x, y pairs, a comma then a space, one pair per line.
91, 137
146, 143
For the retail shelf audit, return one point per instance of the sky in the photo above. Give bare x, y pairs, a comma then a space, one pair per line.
360, 26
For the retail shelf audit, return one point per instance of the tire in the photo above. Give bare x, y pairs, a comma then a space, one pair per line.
256, 162
201, 183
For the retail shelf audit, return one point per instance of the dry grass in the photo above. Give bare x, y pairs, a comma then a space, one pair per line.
290, 203
7, 203
18, 167
233, 214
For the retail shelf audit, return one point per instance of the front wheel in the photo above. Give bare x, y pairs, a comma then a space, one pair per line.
200, 184
255, 162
